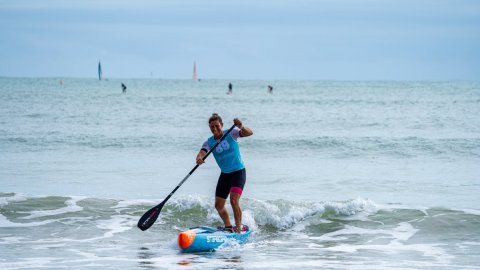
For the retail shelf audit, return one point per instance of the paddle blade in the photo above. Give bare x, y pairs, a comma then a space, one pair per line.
147, 220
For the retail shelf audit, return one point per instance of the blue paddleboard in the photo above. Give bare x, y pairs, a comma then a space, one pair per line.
201, 239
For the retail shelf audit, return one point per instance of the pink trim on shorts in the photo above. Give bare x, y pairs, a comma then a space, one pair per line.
236, 190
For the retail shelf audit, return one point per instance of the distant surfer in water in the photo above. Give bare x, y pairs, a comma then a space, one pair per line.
233, 176
124, 88
230, 89
270, 89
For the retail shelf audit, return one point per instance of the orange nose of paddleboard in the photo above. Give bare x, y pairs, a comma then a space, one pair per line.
185, 239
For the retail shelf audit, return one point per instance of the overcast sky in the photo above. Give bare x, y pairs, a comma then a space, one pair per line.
244, 39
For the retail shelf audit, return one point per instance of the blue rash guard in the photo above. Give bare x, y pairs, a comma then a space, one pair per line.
227, 154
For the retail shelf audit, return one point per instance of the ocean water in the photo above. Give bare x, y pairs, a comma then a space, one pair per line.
340, 175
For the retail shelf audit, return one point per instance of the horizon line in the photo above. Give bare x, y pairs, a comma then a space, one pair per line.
237, 79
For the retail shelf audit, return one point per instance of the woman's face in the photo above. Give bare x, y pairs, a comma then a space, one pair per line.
216, 128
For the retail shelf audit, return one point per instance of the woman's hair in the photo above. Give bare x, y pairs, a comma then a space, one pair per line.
215, 117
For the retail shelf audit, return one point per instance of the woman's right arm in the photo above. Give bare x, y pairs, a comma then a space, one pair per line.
200, 156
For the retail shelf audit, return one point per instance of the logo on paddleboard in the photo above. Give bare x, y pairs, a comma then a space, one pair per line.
215, 239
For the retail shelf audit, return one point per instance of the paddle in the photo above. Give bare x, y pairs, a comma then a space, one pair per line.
147, 220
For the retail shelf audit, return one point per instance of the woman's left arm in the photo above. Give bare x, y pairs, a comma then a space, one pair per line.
245, 131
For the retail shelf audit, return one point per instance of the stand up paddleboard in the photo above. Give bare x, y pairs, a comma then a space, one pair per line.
201, 239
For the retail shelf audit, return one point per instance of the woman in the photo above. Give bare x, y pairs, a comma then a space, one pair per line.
232, 177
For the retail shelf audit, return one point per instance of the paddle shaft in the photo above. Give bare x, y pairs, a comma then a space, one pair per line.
151, 215
196, 166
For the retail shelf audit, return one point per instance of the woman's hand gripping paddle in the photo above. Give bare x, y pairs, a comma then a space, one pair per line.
147, 220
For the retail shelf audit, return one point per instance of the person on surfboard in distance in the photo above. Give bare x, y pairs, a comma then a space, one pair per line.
233, 176
270, 89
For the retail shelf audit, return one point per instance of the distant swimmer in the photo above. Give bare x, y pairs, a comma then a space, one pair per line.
124, 88
270, 89
230, 89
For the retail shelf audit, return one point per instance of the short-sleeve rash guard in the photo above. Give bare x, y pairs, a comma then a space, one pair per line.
227, 154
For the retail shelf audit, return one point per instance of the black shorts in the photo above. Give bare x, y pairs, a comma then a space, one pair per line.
231, 182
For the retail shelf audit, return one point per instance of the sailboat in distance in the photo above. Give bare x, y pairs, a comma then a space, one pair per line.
99, 71
194, 71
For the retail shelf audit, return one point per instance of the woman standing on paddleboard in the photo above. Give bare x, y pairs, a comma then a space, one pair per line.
232, 177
